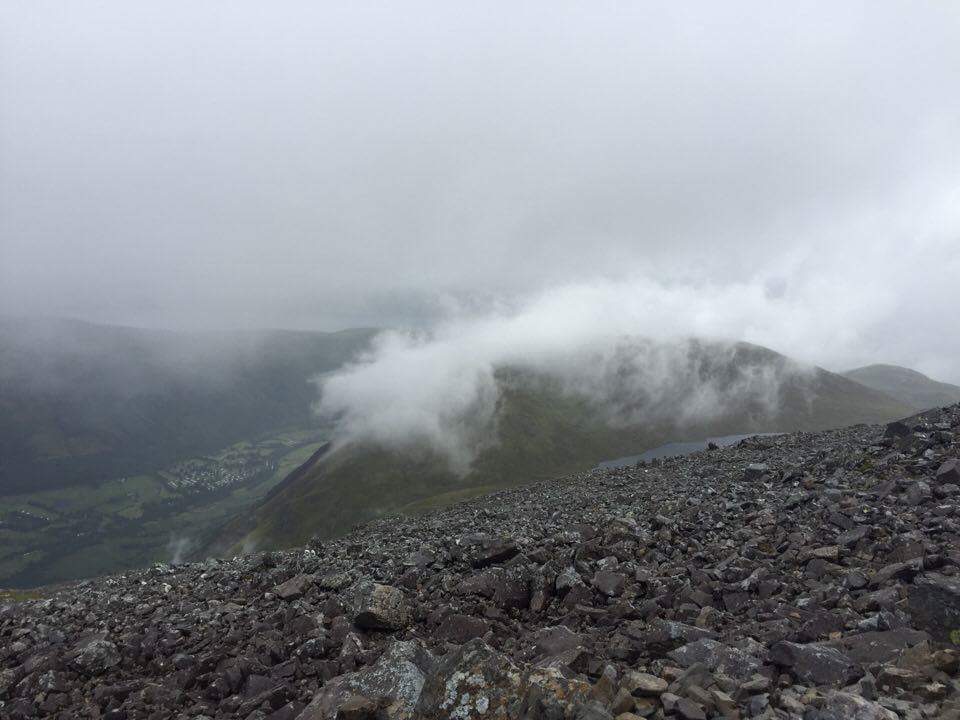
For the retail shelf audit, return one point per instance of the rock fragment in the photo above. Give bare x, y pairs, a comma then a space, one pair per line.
379, 607
816, 664
934, 602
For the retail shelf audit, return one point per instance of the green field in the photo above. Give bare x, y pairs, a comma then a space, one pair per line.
69, 533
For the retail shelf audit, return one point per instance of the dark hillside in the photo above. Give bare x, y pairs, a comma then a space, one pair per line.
81, 403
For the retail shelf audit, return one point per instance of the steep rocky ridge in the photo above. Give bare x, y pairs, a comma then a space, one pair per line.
809, 575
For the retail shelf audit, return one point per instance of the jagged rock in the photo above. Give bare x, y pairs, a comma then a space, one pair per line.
755, 471
555, 640
852, 536
879, 647
639, 684
609, 583
897, 429
847, 706
461, 628
474, 682
379, 607
510, 590
665, 635
567, 580
689, 710
897, 571
716, 657
491, 550
294, 587
816, 664
949, 472
548, 693
756, 684
934, 602
918, 492
735, 602
97, 655
398, 677
358, 707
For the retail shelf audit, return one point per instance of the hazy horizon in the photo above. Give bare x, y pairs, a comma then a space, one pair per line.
784, 175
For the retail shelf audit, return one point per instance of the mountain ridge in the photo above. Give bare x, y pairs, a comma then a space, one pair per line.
909, 386
543, 431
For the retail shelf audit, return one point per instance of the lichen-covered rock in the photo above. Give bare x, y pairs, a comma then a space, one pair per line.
97, 655
477, 682
473, 682
640, 684
379, 607
548, 693
394, 682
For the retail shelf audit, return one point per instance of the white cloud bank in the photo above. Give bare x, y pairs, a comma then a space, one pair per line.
832, 309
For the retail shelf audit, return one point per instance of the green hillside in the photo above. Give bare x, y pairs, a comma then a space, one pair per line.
906, 385
544, 432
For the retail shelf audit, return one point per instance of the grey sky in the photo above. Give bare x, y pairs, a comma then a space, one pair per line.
315, 164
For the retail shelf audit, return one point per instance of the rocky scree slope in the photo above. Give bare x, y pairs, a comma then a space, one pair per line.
810, 575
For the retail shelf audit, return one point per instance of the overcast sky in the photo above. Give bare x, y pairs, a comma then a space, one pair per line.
320, 165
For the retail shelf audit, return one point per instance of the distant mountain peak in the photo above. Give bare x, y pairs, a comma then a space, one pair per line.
906, 385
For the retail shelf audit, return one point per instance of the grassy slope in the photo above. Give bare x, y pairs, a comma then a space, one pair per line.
907, 386
543, 434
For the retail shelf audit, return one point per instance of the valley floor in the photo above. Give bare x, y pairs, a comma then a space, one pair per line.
808, 575
63, 534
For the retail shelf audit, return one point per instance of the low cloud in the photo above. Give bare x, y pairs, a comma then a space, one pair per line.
636, 349
180, 548
617, 341
326, 166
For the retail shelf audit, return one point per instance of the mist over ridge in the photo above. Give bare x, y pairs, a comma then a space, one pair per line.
641, 352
